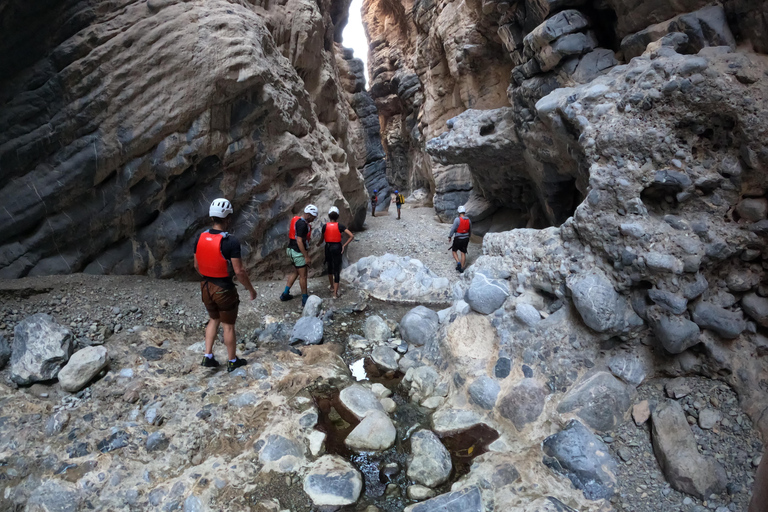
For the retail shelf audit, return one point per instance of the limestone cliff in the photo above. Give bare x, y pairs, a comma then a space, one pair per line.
120, 122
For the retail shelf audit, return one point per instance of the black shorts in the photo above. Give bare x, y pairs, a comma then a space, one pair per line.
460, 245
333, 259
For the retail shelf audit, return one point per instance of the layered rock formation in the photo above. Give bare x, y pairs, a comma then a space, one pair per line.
120, 123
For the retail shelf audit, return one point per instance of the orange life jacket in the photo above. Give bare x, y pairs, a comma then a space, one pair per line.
292, 230
210, 261
332, 233
463, 226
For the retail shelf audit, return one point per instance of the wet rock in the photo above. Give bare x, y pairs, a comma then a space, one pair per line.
452, 421
55, 496
157, 441
430, 462
359, 400
464, 500
628, 368
316, 442
581, 456
523, 403
756, 307
5, 352
419, 326
312, 307
601, 400
486, 295
420, 492
675, 448
376, 329
375, 433
56, 423
676, 334
308, 330
728, 324
332, 481
385, 358
82, 368
40, 348
527, 314
483, 391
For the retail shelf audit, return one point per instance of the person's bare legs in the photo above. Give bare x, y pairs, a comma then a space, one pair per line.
456, 257
210, 334
291, 278
330, 281
303, 280
229, 340
463, 260
336, 290
759, 502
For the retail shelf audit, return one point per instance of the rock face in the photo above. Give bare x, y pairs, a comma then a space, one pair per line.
82, 367
40, 348
675, 448
121, 153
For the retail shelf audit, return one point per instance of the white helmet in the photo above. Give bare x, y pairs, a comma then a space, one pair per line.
220, 208
461, 209
311, 209
333, 210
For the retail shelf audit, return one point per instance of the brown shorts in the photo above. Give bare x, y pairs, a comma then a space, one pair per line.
221, 304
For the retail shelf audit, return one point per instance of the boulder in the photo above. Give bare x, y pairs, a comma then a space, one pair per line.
755, 306
419, 326
332, 482
376, 329
483, 391
523, 403
669, 301
375, 433
309, 330
527, 314
82, 368
628, 368
464, 500
40, 348
312, 307
359, 400
581, 456
486, 295
385, 358
726, 323
753, 209
600, 399
595, 300
281, 453
452, 421
676, 334
430, 462
397, 279
675, 447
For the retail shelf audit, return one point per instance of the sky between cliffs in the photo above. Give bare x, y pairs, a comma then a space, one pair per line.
354, 35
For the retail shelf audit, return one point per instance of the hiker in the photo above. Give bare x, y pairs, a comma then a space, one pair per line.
462, 228
217, 257
299, 234
332, 235
374, 202
399, 200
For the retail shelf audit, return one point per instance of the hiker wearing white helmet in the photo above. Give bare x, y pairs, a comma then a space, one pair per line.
374, 202
299, 233
217, 258
332, 236
462, 228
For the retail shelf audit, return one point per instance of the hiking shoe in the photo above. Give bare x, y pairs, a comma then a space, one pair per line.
209, 362
286, 296
237, 364
458, 267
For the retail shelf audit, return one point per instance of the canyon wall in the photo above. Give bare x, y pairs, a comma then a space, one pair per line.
120, 122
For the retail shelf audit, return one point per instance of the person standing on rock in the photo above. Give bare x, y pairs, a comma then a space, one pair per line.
462, 229
332, 235
399, 200
217, 257
374, 202
299, 233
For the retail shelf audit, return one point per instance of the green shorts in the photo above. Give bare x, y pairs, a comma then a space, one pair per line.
296, 258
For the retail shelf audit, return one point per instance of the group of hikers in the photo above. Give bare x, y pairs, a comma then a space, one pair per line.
218, 258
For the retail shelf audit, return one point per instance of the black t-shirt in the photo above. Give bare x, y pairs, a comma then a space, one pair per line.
342, 229
230, 248
302, 229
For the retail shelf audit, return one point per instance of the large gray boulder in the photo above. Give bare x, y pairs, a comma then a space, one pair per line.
333, 482
601, 308
486, 295
40, 348
676, 333
578, 454
675, 447
375, 433
430, 462
82, 367
754, 306
726, 323
376, 329
600, 400
419, 326
313, 306
359, 400
308, 329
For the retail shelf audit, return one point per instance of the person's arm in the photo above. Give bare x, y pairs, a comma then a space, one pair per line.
321, 238
470, 229
303, 248
351, 237
242, 276
454, 227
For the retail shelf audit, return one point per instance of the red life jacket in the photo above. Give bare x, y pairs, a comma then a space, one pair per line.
292, 230
463, 226
210, 261
332, 233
